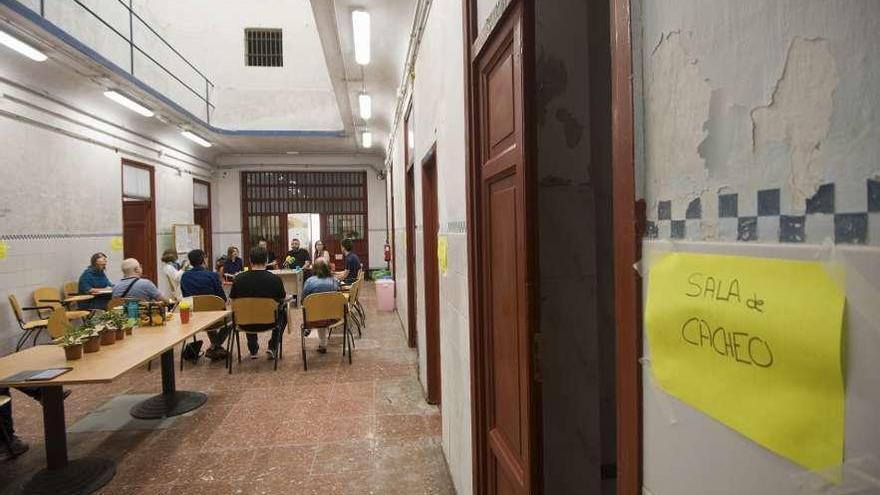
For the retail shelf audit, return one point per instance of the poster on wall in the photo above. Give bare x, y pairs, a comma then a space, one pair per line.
756, 344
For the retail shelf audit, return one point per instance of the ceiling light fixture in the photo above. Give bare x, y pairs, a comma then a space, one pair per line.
360, 22
367, 139
128, 103
22, 47
366, 106
196, 138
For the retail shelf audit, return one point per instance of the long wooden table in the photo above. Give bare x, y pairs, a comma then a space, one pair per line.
88, 474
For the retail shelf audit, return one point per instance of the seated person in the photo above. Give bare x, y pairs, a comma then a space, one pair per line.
271, 262
352, 264
199, 281
233, 264
321, 281
132, 286
92, 280
297, 257
16, 445
258, 282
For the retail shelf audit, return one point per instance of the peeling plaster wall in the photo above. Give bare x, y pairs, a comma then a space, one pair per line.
754, 95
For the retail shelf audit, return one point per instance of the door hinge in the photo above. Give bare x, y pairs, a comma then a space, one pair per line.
537, 339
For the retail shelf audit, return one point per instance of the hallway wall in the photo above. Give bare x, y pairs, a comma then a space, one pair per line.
438, 109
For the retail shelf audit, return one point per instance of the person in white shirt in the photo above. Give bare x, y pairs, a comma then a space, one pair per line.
173, 271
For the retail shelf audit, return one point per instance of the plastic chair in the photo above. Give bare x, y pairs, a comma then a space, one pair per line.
32, 327
115, 303
253, 311
57, 323
326, 310
207, 303
71, 289
50, 296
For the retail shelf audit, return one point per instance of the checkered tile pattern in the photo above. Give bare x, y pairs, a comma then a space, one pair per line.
823, 218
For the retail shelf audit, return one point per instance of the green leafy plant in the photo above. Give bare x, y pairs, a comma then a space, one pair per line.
72, 335
116, 320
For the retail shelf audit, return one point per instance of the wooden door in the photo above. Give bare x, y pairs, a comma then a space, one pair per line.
431, 226
202, 217
507, 426
138, 235
412, 337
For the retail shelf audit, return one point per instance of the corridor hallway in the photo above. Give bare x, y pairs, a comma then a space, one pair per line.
336, 429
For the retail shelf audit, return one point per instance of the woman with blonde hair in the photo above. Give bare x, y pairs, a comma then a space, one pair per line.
233, 264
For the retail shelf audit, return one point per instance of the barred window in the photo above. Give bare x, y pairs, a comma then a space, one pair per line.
263, 48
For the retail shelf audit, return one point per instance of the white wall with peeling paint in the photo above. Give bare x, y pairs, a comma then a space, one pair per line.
757, 94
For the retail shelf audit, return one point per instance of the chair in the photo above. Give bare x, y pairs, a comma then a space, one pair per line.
71, 289
354, 312
115, 303
207, 303
32, 327
323, 308
57, 323
50, 296
253, 311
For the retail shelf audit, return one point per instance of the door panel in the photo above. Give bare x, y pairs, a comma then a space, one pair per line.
505, 328
432, 278
411, 258
138, 239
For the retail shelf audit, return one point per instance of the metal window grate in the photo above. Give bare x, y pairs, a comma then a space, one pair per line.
263, 48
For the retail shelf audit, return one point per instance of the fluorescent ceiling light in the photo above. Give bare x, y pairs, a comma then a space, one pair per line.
23, 48
128, 103
367, 139
366, 105
360, 22
196, 138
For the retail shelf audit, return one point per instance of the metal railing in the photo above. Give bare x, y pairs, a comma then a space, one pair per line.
129, 39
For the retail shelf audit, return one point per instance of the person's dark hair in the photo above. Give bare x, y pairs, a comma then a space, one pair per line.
259, 255
96, 257
347, 244
320, 268
169, 255
196, 257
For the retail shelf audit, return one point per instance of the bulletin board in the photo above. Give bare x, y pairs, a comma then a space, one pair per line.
686, 452
186, 237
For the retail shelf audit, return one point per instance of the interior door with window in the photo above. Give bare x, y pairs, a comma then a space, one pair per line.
139, 217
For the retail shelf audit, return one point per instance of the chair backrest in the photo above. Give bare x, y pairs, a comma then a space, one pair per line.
324, 306
57, 323
46, 296
208, 303
115, 302
254, 310
16, 308
71, 289
354, 291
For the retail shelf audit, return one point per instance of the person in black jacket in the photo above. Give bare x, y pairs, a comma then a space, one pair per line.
258, 282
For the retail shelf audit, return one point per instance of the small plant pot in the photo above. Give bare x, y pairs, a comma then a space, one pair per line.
120, 334
128, 330
93, 344
108, 337
73, 352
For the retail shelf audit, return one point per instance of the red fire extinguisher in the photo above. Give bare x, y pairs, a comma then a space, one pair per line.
387, 251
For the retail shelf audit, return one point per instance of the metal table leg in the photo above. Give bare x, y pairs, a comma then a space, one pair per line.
171, 402
63, 477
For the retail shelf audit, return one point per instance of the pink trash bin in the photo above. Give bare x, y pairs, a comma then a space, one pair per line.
385, 294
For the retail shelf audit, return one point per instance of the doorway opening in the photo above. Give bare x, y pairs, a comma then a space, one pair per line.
139, 216
202, 214
431, 226
307, 228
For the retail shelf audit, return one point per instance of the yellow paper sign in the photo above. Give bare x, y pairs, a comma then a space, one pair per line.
4, 249
116, 244
443, 253
756, 344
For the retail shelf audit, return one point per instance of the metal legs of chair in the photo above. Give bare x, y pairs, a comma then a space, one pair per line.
35, 332
236, 343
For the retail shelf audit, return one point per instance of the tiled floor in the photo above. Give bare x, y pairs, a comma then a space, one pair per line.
336, 429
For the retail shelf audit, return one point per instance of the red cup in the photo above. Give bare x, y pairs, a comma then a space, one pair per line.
184, 315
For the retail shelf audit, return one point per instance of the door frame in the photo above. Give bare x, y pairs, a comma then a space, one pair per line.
430, 220
409, 173
151, 223
207, 241
475, 41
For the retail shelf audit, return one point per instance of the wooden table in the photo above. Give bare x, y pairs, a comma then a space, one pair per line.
293, 282
88, 474
78, 298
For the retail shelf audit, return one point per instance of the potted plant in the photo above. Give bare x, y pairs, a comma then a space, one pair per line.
71, 341
91, 338
117, 321
108, 334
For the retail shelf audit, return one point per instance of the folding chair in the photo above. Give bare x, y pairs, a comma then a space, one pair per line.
50, 296
32, 327
253, 311
326, 310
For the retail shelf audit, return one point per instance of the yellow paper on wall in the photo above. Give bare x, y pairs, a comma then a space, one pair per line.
4, 250
116, 244
756, 344
443, 253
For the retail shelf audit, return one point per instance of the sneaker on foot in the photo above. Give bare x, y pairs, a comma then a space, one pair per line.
255, 356
307, 332
270, 354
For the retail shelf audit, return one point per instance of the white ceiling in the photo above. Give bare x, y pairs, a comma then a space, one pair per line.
78, 80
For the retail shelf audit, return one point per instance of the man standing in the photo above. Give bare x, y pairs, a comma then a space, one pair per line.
352, 264
298, 257
200, 282
271, 262
133, 286
258, 282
